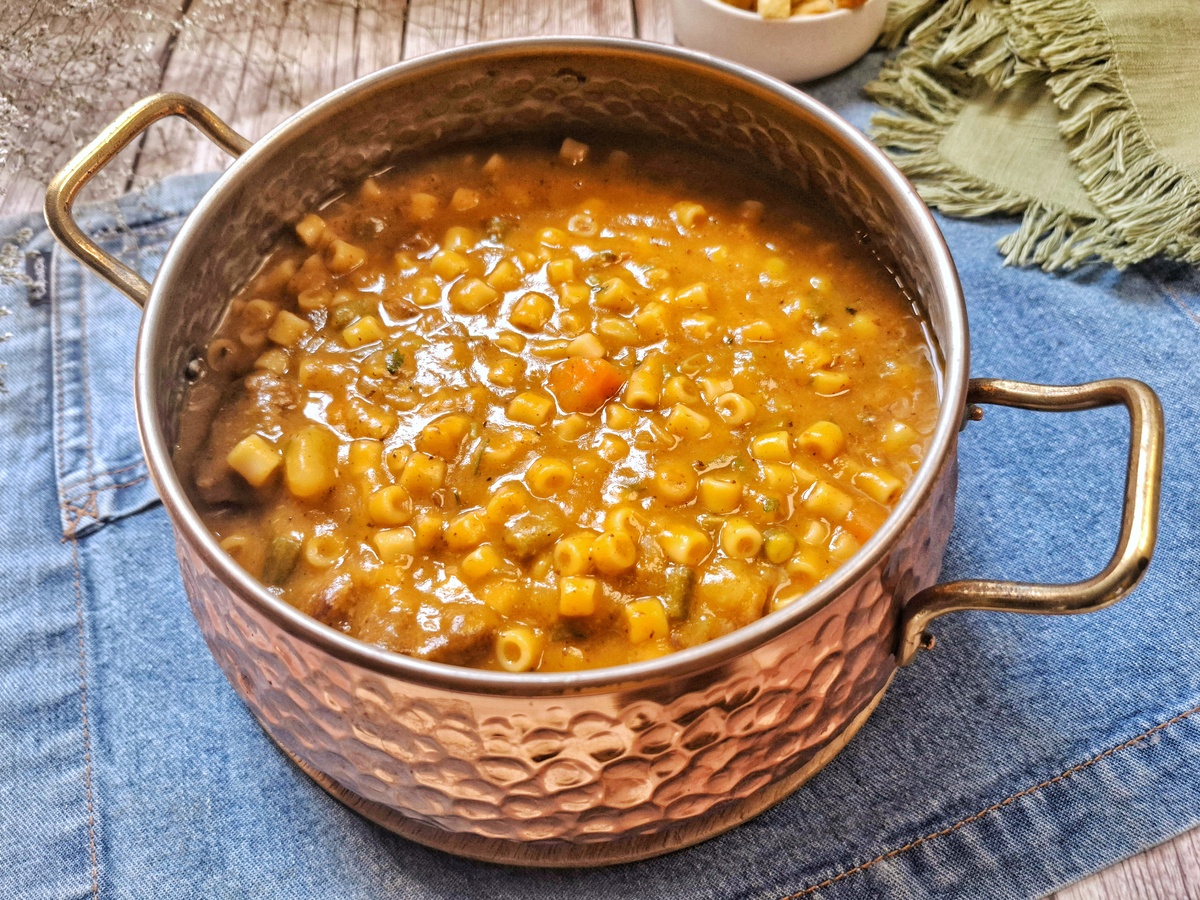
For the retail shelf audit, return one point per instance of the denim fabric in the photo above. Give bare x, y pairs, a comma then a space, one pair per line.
1019, 755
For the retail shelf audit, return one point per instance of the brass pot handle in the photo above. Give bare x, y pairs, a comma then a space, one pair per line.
91, 159
1139, 517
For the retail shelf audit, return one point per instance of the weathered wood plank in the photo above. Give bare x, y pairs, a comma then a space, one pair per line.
68, 70
211, 61
654, 20
257, 63
439, 24
1170, 871
20, 193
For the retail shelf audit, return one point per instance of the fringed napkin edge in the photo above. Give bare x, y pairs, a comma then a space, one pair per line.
1146, 206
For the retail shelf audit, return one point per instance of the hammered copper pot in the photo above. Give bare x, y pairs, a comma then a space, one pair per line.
607, 765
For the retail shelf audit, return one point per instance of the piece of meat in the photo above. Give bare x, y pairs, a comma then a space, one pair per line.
398, 306
271, 394
467, 633
328, 603
258, 403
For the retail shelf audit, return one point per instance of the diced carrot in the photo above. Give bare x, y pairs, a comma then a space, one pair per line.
582, 385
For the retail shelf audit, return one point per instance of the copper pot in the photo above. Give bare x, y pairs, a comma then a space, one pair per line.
615, 764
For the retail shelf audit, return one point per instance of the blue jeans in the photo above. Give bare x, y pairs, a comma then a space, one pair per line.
1019, 755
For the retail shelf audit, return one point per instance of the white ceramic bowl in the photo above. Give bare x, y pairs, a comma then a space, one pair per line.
799, 48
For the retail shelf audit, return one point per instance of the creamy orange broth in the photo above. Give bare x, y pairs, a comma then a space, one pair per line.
555, 405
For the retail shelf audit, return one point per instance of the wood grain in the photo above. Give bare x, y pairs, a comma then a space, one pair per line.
255, 64
1170, 871
654, 20
439, 24
66, 73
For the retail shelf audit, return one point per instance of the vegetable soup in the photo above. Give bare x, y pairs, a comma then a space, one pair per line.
557, 404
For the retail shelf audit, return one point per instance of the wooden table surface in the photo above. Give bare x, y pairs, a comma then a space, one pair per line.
66, 73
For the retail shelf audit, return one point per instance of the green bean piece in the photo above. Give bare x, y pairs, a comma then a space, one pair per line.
677, 598
282, 556
532, 532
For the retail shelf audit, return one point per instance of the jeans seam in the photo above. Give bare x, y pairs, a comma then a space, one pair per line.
1180, 303
87, 506
995, 807
87, 739
87, 378
107, 473
60, 395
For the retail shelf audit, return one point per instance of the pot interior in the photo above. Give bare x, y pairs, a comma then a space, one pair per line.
496, 90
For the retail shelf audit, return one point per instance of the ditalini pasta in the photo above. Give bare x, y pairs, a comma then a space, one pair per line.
559, 404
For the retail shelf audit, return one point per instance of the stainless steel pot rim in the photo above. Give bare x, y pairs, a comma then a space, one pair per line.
954, 346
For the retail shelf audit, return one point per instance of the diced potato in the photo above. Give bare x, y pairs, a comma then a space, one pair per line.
449, 264
444, 436
464, 199
423, 206
310, 462
573, 151
614, 294
586, 345
560, 270
505, 276
693, 297
471, 295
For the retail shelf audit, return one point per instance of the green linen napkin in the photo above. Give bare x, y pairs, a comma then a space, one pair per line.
1083, 116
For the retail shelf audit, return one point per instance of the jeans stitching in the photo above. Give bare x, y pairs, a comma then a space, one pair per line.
108, 487
1007, 801
87, 739
87, 506
59, 439
1180, 303
60, 436
107, 473
87, 379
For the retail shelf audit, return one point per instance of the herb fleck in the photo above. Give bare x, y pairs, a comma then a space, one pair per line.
479, 457
395, 360
496, 228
